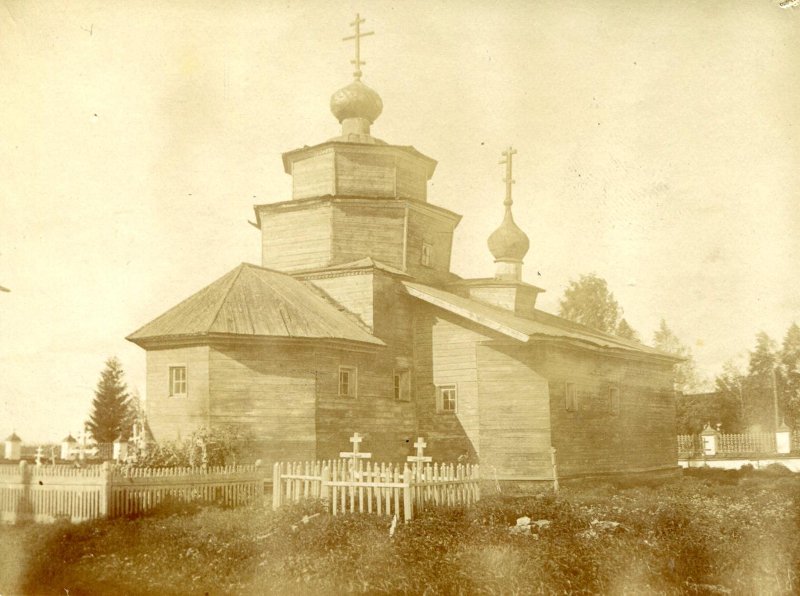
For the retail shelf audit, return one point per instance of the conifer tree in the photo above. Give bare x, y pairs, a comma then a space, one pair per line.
790, 371
112, 414
686, 377
761, 383
625, 330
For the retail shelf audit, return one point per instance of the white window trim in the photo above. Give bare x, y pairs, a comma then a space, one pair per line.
352, 382
440, 397
170, 381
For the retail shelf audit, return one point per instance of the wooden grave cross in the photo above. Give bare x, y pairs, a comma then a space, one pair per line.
355, 454
420, 457
39, 455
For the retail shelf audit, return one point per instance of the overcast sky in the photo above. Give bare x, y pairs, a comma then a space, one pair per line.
657, 147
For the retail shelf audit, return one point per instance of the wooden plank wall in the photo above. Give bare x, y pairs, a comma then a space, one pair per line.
374, 229
412, 179
366, 174
173, 417
268, 389
426, 228
514, 414
314, 176
350, 290
444, 353
593, 440
295, 239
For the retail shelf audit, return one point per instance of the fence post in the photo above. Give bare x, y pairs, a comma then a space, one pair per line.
408, 504
276, 486
324, 489
555, 468
105, 490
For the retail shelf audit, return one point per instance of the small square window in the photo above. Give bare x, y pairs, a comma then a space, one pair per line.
571, 397
613, 400
427, 255
348, 379
447, 398
177, 381
402, 385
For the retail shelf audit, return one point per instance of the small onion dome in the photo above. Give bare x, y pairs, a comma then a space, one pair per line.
508, 242
356, 101
13, 438
69, 439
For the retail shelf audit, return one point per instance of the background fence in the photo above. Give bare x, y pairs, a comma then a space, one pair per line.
732, 444
384, 489
47, 493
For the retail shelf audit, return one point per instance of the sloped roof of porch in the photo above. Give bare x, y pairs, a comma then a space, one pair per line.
258, 302
542, 326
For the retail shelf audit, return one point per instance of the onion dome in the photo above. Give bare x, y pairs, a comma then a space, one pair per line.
508, 242
356, 100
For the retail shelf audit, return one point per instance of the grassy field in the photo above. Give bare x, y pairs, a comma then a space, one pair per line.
710, 532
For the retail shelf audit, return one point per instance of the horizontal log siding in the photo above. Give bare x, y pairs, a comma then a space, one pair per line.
412, 179
387, 425
297, 239
514, 414
366, 174
368, 230
351, 291
425, 228
269, 391
313, 176
173, 417
592, 440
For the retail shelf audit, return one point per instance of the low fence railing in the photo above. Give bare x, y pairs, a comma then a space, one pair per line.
735, 444
383, 489
47, 493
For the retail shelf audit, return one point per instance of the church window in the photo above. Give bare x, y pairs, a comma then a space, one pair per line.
427, 255
447, 398
347, 381
177, 381
613, 400
402, 385
571, 397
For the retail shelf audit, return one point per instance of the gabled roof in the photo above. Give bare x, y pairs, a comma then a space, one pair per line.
543, 326
258, 302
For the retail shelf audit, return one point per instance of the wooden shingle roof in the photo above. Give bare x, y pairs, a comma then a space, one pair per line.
542, 326
258, 302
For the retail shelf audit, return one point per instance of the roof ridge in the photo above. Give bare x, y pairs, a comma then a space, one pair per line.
225, 293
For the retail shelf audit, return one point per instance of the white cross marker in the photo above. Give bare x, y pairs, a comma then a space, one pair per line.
354, 454
420, 457
39, 455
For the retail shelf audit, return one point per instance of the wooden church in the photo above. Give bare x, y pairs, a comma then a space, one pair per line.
355, 322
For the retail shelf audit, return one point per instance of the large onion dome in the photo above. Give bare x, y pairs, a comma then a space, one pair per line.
356, 100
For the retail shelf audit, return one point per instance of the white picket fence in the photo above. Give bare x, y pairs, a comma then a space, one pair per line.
371, 487
47, 493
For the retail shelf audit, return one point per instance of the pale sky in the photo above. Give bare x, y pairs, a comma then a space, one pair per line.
657, 147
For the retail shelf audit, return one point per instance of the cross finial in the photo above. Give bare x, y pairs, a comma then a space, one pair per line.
357, 37
508, 153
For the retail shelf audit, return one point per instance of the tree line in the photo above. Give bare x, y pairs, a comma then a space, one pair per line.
762, 397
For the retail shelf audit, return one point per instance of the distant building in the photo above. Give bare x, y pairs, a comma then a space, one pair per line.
355, 322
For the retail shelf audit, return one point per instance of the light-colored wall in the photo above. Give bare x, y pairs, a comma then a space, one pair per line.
173, 417
297, 239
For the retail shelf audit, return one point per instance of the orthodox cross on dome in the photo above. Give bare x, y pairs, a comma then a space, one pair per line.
357, 37
508, 153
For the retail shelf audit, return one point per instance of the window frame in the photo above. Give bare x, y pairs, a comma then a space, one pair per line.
426, 255
440, 391
173, 382
397, 387
571, 403
613, 400
352, 382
